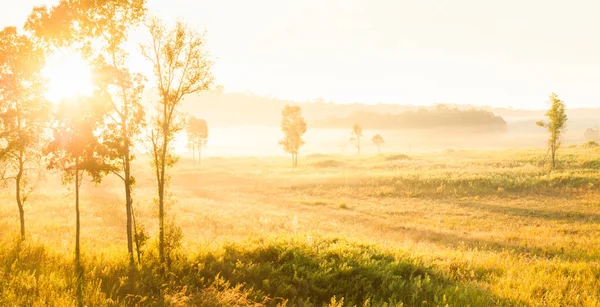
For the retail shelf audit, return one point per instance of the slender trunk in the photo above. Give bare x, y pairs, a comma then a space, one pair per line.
378, 149
200, 155
78, 269
553, 156
126, 163
137, 243
194, 153
161, 224
161, 187
77, 221
358, 144
19, 200
128, 206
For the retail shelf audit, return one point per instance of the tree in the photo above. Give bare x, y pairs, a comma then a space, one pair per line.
24, 113
108, 22
76, 150
378, 140
357, 133
197, 135
100, 28
556, 124
181, 67
293, 127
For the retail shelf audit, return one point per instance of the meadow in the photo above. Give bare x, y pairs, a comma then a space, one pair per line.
443, 228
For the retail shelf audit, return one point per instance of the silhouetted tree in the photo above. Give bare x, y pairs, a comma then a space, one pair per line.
197, 135
378, 140
556, 124
357, 133
24, 113
293, 127
181, 67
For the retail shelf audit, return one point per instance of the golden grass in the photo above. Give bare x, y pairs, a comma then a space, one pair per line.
497, 226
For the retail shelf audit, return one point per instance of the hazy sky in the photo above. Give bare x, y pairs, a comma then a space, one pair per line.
500, 53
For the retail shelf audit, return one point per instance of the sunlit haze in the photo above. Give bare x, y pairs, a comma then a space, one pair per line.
68, 76
300, 153
502, 53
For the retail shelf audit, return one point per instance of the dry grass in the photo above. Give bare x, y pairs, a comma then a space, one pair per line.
496, 224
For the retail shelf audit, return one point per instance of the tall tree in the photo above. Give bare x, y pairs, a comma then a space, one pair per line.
181, 67
357, 133
102, 27
76, 150
293, 127
197, 135
109, 22
556, 124
378, 140
24, 113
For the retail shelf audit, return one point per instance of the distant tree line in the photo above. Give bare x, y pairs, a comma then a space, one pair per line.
441, 116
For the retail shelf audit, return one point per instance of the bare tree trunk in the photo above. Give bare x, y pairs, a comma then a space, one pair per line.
161, 187
358, 144
128, 206
194, 153
378, 149
137, 243
77, 221
200, 155
78, 269
553, 155
19, 200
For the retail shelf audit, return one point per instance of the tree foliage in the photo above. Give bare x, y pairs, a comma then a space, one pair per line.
356, 133
108, 22
293, 127
181, 67
378, 140
97, 29
75, 150
197, 135
24, 113
556, 125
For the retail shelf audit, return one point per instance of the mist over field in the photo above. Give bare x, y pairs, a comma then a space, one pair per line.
243, 124
309, 153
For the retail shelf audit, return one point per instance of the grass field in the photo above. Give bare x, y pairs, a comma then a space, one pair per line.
457, 228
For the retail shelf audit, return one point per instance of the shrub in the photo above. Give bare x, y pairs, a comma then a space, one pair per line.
590, 144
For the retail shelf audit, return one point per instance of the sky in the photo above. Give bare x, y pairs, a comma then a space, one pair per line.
499, 53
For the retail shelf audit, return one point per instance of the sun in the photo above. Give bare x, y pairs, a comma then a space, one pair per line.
68, 76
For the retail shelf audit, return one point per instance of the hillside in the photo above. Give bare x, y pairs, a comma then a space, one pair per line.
223, 109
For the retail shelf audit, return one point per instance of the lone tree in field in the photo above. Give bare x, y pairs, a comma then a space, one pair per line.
197, 135
293, 127
181, 67
556, 125
378, 140
357, 133
24, 113
75, 150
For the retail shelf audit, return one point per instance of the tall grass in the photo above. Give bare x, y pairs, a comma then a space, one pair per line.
463, 228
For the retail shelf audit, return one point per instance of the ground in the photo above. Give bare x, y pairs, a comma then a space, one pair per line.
466, 227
